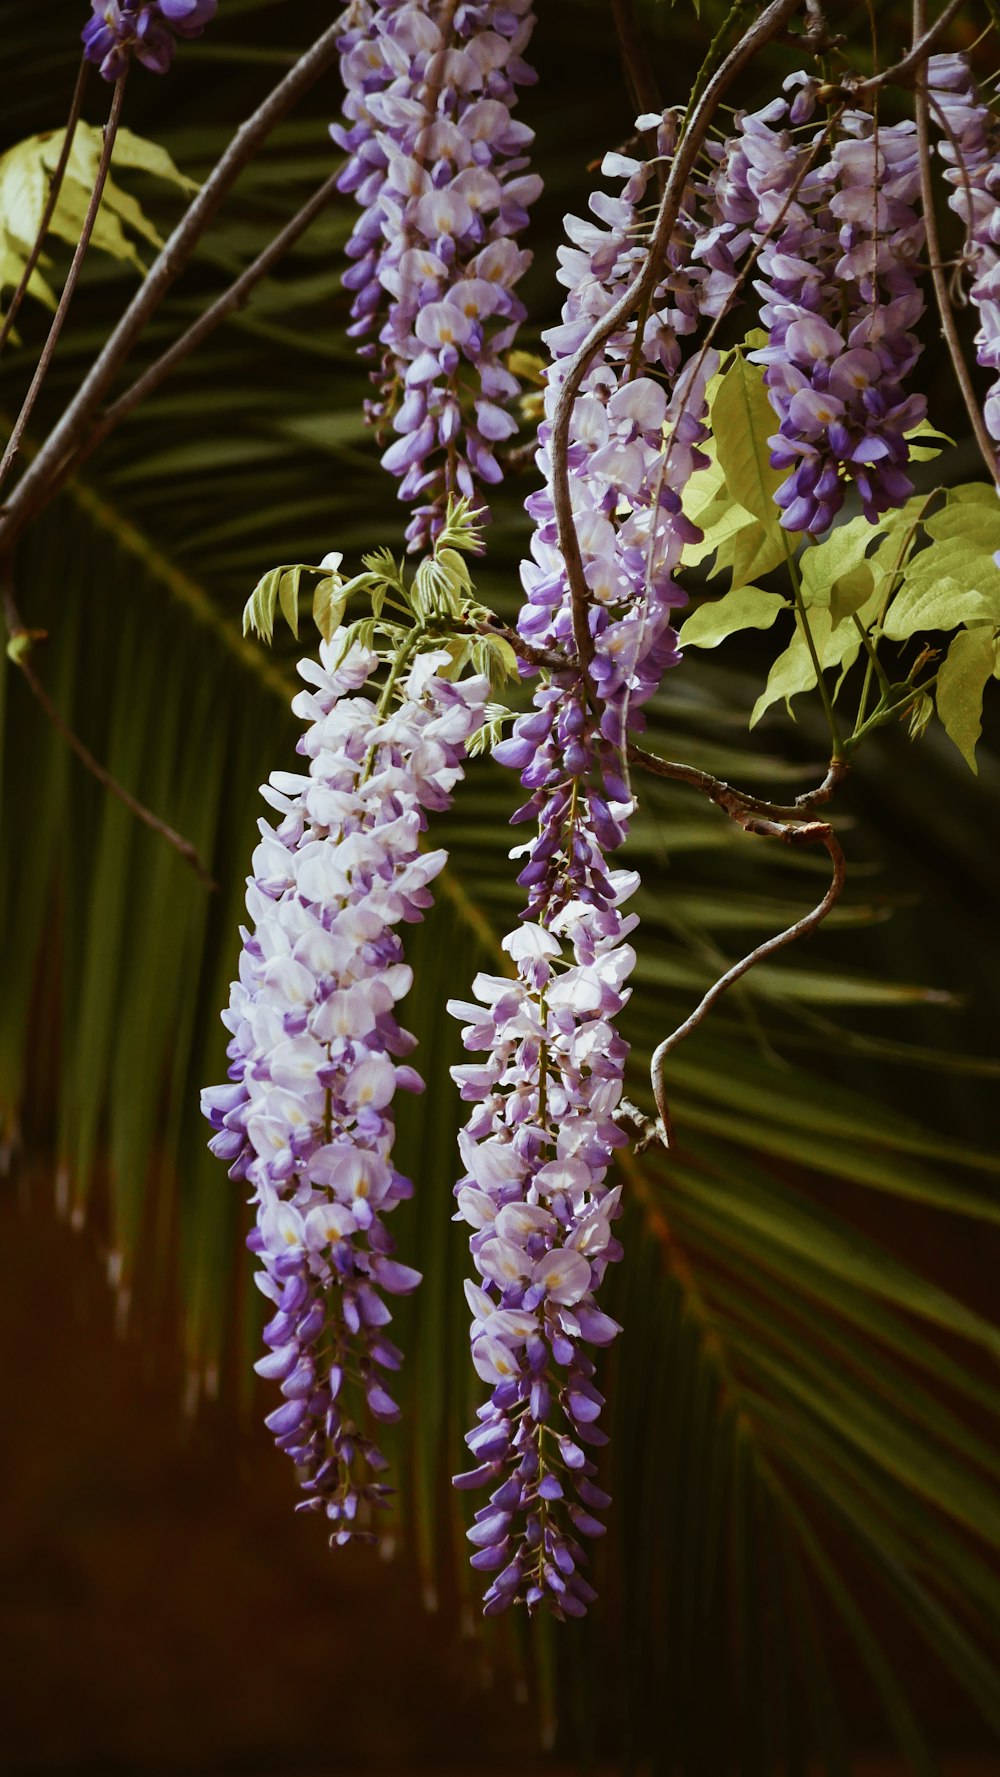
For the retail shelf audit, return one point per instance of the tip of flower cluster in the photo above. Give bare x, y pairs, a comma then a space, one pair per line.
145, 29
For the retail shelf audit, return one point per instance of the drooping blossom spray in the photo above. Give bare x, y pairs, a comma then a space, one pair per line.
542, 1134
438, 165
317, 1052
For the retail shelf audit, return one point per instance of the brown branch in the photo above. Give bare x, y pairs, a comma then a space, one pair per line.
235, 297
636, 296
72, 279
905, 72
554, 663
19, 651
949, 330
55, 186
32, 492
811, 833
739, 803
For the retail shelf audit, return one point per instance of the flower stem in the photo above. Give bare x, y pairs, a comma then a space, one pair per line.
824, 690
72, 279
874, 663
55, 186
688, 148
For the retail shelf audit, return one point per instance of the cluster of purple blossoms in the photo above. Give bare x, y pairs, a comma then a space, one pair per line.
541, 1138
840, 243
537, 1150
971, 147
636, 426
437, 164
121, 29
306, 1118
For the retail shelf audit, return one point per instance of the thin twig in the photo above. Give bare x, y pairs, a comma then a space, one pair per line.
812, 833
905, 73
32, 491
55, 186
235, 297
739, 803
72, 279
948, 328
633, 297
21, 656
539, 657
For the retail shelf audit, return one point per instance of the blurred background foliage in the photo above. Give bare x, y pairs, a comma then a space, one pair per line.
803, 1402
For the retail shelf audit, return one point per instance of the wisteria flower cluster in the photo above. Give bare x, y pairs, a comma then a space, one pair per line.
635, 429
437, 163
316, 1050
828, 215
839, 242
541, 1138
537, 1150
971, 147
145, 29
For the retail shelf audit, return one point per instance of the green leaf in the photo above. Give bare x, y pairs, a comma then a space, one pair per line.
971, 660
288, 598
135, 151
742, 420
851, 592
793, 671
25, 174
495, 656
971, 514
835, 573
950, 582
746, 607
935, 441
258, 612
329, 601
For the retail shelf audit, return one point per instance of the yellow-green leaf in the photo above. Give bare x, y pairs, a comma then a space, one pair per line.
793, 671
952, 581
328, 605
288, 598
972, 658
746, 607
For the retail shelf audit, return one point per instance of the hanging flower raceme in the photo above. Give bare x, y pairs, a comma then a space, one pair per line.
970, 145
145, 29
635, 431
840, 237
437, 163
316, 1050
540, 1141
537, 1150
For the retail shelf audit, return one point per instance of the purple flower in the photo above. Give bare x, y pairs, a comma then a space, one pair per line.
840, 242
971, 149
317, 1053
437, 163
146, 29
636, 427
535, 1192
543, 1131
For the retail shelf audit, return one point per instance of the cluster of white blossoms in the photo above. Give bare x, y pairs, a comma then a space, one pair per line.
316, 1049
